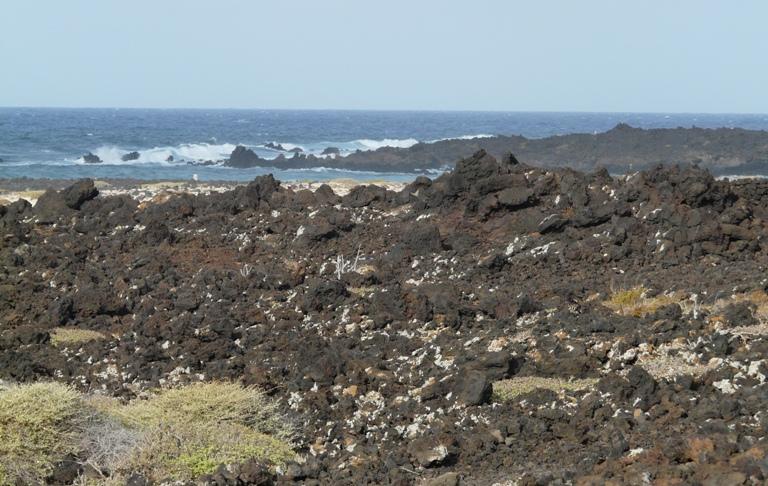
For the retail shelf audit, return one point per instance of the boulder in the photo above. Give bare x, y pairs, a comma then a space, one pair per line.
130, 156
331, 151
431, 452
78, 193
54, 204
325, 195
322, 294
361, 196
257, 191
514, 197
473, 388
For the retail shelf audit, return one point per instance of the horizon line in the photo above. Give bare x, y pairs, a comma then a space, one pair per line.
383, 110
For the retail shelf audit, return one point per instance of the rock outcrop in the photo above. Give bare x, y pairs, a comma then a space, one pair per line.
91, 158
130, 156
621, 150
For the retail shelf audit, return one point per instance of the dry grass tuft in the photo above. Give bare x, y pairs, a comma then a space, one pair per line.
509, 389
68, 336
633, 302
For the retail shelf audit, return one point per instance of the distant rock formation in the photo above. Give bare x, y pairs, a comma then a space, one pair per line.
91, 158
274, 146
620, 150
243, 157
130, 156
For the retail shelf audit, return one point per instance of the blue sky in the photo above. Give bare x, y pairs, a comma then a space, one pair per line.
549, 55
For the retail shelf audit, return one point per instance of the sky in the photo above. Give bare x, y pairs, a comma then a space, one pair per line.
701, 56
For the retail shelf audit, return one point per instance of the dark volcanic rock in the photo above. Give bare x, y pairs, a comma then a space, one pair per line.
90, 158
274, 146
53, 205
473, 388
623, 149
243, 158
331, 151
130, 156
501, 322
78, 193
364, 195
323, 293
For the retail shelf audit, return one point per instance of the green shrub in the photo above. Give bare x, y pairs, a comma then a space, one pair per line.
39, 425
191, 430
176, 434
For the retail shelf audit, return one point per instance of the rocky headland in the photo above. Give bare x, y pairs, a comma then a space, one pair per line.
620, 150
500, 324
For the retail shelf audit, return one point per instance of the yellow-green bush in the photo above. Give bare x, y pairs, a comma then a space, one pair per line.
175, 434
191, 430
39, 424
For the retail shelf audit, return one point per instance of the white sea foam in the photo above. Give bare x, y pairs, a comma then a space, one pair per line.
463, 137
200, 152
367, 144
196, 152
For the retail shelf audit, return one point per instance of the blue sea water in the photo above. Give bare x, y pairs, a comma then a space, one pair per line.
50, 142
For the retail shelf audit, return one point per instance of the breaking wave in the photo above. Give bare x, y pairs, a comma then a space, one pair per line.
202, 152
196, 152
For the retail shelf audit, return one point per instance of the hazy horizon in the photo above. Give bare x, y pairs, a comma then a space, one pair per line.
373, 110
596, 56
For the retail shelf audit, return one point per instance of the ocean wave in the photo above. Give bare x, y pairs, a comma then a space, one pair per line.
201, 152
368, 144
462, 137
195, 152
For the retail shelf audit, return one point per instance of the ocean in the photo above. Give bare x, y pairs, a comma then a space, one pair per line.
50, 142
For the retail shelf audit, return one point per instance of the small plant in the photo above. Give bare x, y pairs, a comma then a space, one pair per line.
246, 270
344, 266
509, 389
106, 442
68, 336
623, 299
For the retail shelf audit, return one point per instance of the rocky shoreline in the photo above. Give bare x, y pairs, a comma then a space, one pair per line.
501, 324
620, 150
